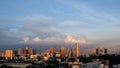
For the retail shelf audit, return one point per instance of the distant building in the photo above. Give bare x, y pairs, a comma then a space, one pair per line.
116, 66
20, 52
71, 53
2, 54
74, 52
100, 51
52, 51
33, 57
9, 54
86, 65
63, 51
77, 50
92, 65
28, 51
75, 65
57, 54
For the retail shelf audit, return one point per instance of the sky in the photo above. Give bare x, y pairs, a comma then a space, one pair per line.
92, 23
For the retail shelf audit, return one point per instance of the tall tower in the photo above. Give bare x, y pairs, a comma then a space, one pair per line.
63, 51
77, 50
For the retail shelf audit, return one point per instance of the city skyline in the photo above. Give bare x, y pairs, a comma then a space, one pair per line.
59, 22
63, 51
75, 49
53, 57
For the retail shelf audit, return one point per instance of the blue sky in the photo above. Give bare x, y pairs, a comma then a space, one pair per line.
89, 22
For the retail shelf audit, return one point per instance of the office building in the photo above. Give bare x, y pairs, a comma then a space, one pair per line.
63, 51
2, 54
19, 52
100, 51
9, 54
77, 50
27, 51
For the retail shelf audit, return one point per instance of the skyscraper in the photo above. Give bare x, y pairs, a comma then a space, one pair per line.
9, 54
63, 51
19, 52
77, 50
28, 51
100, 51
72, 52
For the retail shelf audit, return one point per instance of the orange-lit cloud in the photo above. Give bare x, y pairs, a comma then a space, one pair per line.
36, 39
40, 40
26, 39
67, 39
70, 39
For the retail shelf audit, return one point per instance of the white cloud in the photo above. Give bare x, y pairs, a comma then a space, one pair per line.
44, 40
67, 39
70, 39
26, 39
36, 39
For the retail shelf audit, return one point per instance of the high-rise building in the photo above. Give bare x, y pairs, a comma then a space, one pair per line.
19, 52
9, 54
77, 50
72, 52
27, 51
2, 54
100, 51
69, 54
63, 51
52, 51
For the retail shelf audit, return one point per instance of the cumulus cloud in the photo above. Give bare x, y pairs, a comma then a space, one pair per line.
70, 39
42, 40
26, 39
33, 28
36, 39
67, 39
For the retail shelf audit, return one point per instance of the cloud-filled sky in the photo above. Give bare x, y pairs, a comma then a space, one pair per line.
88, 22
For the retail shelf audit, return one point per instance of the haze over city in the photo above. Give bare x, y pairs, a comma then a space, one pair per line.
46, 23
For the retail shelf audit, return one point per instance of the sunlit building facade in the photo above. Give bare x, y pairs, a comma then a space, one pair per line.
77, 50
100, 51
63, 51
2, 54
9, 54
27, 51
